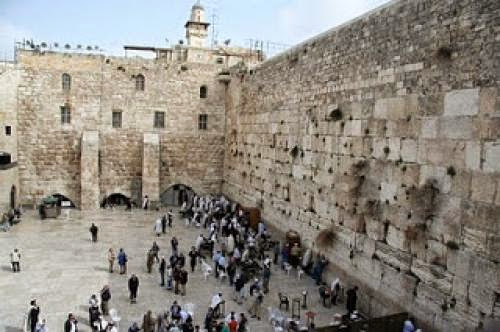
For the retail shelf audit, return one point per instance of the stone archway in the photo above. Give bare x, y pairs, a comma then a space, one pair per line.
176, 195
64, 201
13, 195
116, 199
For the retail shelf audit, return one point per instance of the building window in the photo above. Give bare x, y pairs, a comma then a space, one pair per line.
159, 119
8, 130
139, 82
117, 119
220, 61
202, 122
203, 91
66, 82
65, 114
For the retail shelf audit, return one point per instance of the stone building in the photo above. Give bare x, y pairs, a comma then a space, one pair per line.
382, 134
88, 126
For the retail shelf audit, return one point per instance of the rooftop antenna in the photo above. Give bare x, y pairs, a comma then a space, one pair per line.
215, 22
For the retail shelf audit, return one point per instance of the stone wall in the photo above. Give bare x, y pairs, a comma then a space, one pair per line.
9, 79
385, 133
50, 151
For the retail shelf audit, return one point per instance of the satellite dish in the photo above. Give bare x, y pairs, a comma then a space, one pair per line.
227, 42
56, 45
78, 46
43, 44
67, 46
89, 48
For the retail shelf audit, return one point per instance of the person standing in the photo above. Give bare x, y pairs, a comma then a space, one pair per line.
162, 268
122, 261
93, 232
193, 255
133, 286
71, 324
183, 279
15, 259
150, 260
352, 297
105, 297
170, 218
158, 227
255, 309
164, 224
266, 275
335, 290
148, 323
156, 249
33, 314
242, 326
174, 243
111, 259
145, 202
233, 323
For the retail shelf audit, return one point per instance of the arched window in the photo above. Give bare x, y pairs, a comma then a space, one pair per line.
203, 91
66, 82
139, 82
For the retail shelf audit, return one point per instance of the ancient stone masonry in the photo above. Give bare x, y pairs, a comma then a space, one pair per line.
51, 152
384, 135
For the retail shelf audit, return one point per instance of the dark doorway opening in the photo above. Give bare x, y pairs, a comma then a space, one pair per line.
115, 199
13, 197
64, 201
176, 195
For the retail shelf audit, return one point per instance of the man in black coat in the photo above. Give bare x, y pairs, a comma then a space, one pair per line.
193, 255
133, 286
71, 324
93, 231
352, 297
163, 266
33, 315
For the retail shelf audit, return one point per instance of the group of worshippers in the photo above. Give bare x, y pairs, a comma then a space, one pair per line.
98, 310
10, 218
176, 319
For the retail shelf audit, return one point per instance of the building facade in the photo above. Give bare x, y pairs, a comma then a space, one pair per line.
383, 133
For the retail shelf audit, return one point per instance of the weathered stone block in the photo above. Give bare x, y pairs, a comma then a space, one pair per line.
409, 150
429, 127
483, 187
461, 102
473, 155
492, 156
456, 127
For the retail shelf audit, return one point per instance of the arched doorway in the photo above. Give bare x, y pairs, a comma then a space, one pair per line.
13, 197
176, 195
115, 199
64, 201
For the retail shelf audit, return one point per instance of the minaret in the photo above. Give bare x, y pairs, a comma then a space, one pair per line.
196, 28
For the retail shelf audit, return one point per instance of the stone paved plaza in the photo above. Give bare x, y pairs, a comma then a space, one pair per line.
61, 268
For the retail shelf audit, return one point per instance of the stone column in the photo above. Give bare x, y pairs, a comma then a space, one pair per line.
151, 167
90, 171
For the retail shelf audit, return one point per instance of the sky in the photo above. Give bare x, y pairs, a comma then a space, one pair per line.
110, 24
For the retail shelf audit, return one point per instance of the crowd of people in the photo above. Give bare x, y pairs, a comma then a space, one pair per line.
227, 248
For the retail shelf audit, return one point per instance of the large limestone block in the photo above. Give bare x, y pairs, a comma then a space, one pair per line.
473, 155
392, 256
483, 187
461, 102
429, 127
492, 156
456, 128
397, 239
409, 150
397, 108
